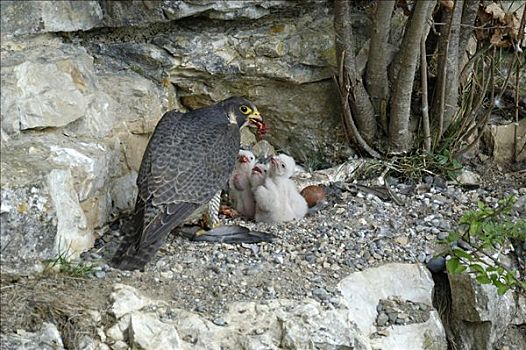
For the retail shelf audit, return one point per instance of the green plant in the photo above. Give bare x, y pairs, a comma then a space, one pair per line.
63, 265
487, 232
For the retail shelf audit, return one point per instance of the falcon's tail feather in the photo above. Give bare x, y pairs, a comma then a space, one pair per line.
140, 245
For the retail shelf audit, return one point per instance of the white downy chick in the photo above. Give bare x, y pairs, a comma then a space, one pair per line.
258, 175
257, 178
278, 199
240, 190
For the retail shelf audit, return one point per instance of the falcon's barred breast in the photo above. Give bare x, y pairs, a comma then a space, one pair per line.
189, 159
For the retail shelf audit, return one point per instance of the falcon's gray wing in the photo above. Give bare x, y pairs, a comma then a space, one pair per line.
185, 163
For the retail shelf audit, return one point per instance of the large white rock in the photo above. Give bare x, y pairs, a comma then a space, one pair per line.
424, 336
55, 191
73, 235
363, 290
247, 325
148, 333
47, 338
27, 17
127, 299
51, 86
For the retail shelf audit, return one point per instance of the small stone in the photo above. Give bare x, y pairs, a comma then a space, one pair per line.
437, 264
442, 235
99, 243
422, 257
320, 293
219, 321
402, 240
383, 332
399, 321
100, 274
120, 345
311, 258
278, 259
393, 315
114, 226
382, 319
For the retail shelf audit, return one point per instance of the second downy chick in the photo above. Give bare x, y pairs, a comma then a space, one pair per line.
278, 199
240, 192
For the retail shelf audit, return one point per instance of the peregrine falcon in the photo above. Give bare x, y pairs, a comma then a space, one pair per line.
187, 162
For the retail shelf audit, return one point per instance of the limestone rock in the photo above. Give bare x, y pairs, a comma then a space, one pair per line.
54, 192
124, 192
481, 313
143, 12
52, 87
267, 63
148, 333
499, 139
307, 327
28, 17
72, 235
363, 290
127, 299
47, 338
468, 178
280, 323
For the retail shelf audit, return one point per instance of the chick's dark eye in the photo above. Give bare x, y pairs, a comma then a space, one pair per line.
283, 165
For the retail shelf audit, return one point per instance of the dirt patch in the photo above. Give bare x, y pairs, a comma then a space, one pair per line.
72, 304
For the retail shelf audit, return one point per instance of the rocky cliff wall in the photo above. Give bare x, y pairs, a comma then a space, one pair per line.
84, 82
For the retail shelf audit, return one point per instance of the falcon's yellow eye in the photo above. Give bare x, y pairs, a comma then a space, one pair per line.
245, 110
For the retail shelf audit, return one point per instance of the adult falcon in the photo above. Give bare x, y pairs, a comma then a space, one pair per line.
187, 162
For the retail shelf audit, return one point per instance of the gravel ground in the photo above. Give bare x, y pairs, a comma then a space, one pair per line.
354, 231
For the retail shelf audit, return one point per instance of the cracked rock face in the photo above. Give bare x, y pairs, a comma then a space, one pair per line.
84, 84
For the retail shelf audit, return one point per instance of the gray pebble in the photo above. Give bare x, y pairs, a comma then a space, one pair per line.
320, 293
382, 320
311, 258
442, 235
100, 274
437, 264
278, 259
219, 321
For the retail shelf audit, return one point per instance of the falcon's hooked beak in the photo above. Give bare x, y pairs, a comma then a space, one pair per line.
255, 119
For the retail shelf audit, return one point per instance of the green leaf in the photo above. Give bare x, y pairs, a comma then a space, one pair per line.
452, 237
460, 253
483, 279
477, 268
501, 290
454, 266
474, 228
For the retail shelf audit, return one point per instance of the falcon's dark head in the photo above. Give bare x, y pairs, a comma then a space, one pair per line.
244, 113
